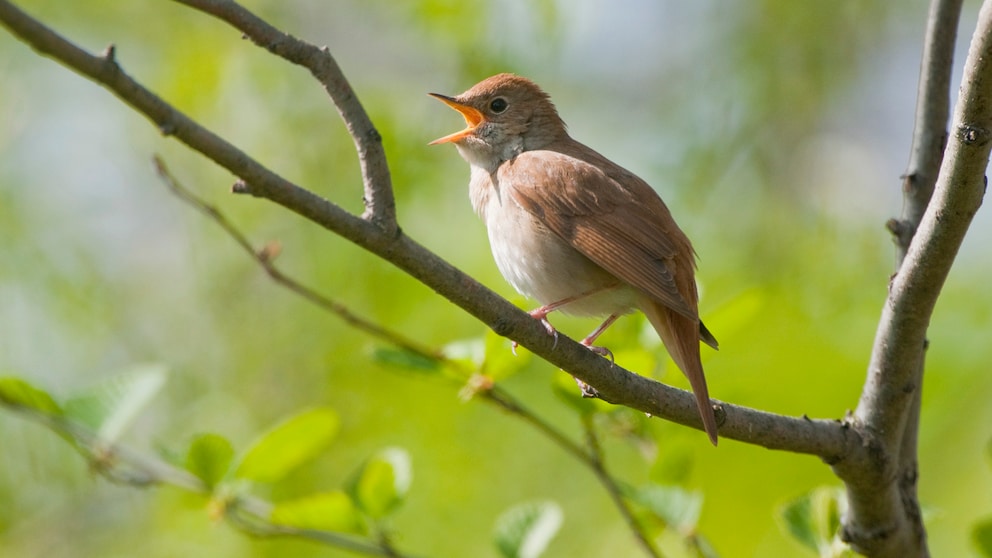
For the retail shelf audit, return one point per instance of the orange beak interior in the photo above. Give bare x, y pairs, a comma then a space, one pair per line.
472, 117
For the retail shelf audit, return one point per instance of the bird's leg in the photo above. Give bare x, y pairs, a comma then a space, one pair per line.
542, 315
588, 390
588, 341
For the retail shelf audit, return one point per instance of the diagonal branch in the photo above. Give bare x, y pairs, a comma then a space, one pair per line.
828, 439
266, 258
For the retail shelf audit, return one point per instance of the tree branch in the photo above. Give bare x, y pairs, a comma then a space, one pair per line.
828, 439
932, 111
926, 155
883, 518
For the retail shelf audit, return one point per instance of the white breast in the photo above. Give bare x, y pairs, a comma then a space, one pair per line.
538, 263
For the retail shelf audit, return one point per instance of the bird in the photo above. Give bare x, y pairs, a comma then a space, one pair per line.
573, 230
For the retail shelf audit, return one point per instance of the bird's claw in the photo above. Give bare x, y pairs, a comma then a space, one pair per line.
547, 327
587, 390
552, 332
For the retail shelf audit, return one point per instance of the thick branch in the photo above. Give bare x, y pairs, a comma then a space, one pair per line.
825, 438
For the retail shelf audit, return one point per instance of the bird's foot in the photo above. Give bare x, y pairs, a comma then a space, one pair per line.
541, 314
601, 351
587, 390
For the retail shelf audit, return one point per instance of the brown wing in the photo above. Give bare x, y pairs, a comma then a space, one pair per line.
606, 213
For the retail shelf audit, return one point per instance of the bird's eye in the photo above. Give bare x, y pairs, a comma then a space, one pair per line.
498, 105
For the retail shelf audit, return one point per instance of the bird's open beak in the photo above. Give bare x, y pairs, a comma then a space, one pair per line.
472, 117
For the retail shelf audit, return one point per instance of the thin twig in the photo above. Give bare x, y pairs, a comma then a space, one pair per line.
380, 205
933, 106
598, 464
266, 258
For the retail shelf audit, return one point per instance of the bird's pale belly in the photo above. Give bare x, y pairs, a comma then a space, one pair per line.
542, 266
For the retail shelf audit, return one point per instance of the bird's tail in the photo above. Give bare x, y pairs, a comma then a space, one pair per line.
681, 336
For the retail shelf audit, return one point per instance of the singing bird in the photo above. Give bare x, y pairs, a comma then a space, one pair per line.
574, 230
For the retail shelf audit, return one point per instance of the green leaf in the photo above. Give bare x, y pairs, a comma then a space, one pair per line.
19, 393
525, 530
813, 519
406, 360
209, 458
288, 445
330, 511
111, 406
798, 518
981, 534
675, 506
469, 352
383, 482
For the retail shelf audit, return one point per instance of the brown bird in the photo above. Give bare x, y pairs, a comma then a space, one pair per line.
573, 230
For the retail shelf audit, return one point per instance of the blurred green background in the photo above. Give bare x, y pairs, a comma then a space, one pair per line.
775, 130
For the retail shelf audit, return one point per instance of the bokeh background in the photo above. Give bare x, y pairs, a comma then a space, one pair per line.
777, 132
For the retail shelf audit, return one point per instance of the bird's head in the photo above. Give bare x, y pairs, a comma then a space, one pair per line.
505, 114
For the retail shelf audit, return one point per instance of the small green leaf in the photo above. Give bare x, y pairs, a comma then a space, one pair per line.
110, 407
288, 445
469, 352
525, 530
981, 534
17, 392
798, 518
331, 511
675, 506
209, 458
383, 482
813, 519
406, 360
